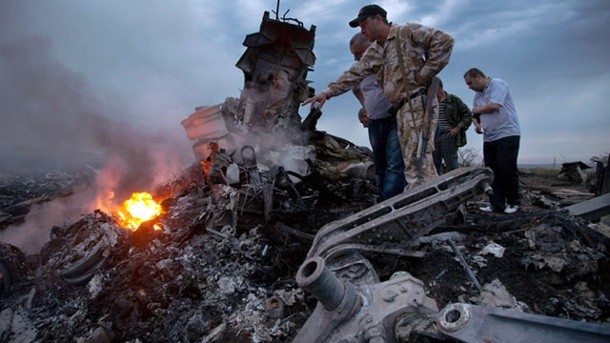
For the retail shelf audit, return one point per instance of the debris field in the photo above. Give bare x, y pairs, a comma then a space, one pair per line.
222, 267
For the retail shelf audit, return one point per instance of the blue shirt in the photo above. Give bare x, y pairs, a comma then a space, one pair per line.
504, 122
375, 103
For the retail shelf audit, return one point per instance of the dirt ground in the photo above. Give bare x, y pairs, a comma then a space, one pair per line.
539, 232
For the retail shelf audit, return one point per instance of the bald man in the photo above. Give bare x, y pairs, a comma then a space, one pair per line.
382, 128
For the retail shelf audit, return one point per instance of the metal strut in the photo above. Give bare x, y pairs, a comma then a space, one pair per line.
398, 221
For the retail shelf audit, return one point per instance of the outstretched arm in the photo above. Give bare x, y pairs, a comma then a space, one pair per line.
319, 99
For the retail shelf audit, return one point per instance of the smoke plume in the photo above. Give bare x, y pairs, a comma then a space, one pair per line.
50, 120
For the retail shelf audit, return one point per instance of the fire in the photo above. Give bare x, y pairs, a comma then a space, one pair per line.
139, 208
206, 164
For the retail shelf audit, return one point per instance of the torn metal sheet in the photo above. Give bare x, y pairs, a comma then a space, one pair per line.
275, 65
573, 171
602, 174
594, 208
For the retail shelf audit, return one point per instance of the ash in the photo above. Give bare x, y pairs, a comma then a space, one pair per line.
222, 269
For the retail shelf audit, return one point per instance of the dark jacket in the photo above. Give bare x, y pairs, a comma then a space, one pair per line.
458, 113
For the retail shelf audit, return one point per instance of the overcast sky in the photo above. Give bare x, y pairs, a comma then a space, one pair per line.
74, 73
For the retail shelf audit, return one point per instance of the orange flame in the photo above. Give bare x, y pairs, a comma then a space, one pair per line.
139, 208
208, 162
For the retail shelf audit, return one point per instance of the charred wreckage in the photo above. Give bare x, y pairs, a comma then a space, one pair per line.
282, 240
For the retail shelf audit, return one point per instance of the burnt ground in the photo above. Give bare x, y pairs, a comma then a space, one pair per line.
211, 276
557, 265
522, 268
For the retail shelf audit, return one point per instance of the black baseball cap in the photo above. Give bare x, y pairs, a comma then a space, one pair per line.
367, 11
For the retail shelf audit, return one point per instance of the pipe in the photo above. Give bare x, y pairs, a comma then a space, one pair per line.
314, 277
469, 271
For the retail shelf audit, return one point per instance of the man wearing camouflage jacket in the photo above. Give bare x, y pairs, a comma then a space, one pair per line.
454, 118
404, 76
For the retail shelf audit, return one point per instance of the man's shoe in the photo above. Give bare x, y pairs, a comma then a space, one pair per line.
487, 209
510, 209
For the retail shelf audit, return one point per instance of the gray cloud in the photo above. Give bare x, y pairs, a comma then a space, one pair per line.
54, 116
148, 63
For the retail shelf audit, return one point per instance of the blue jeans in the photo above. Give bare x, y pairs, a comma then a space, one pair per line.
387, 157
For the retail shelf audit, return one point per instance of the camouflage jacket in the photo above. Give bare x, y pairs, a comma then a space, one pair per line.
457, 113
416, 41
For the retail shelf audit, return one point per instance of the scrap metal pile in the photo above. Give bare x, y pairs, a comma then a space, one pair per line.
282, 239
222, 264
224, 267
